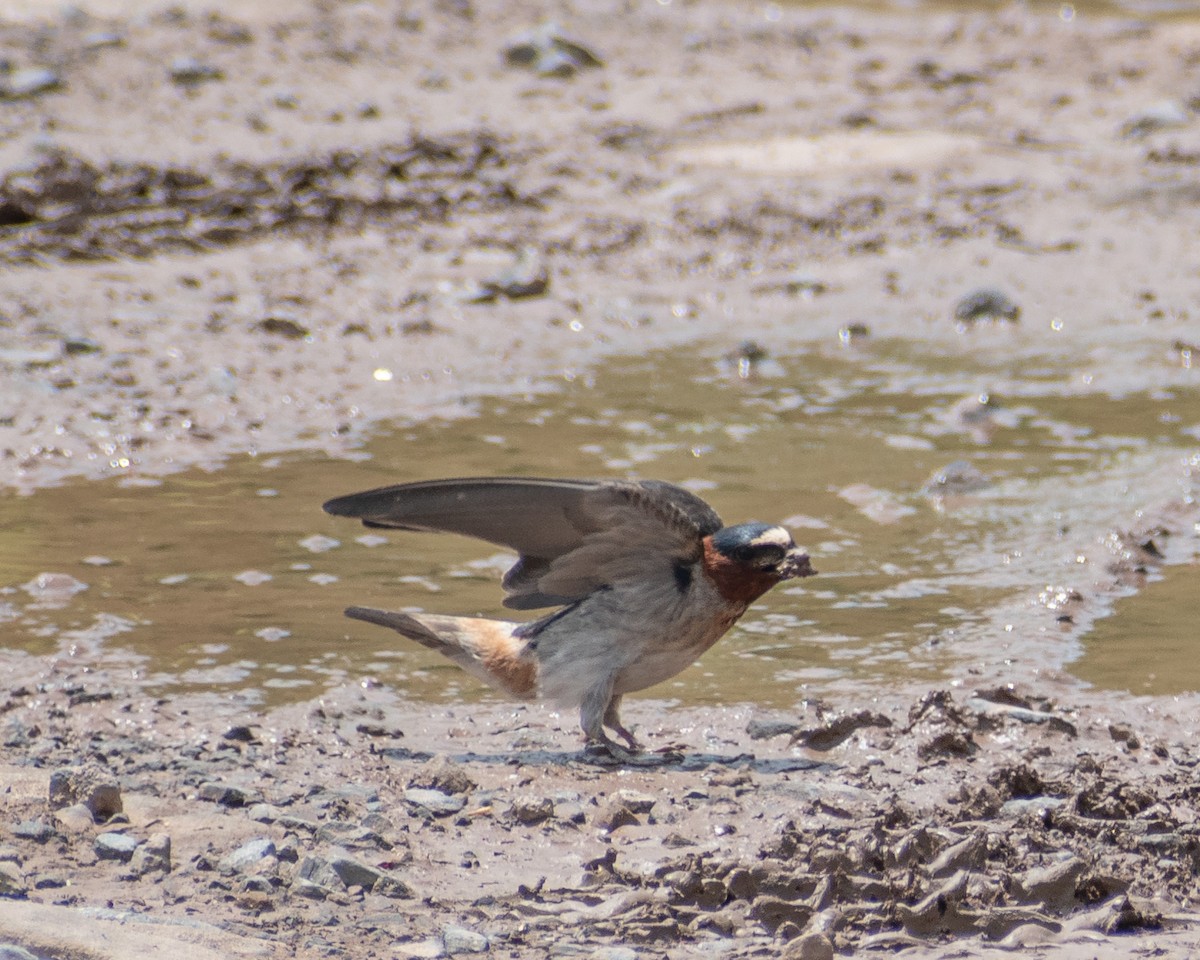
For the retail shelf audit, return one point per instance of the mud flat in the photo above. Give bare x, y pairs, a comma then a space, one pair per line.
229, 232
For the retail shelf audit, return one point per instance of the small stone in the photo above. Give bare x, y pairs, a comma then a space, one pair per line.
12, 882
93, 787
229, 795
263, 813
318, 872
532, 810
636, 802
247, 856
394, 887
548, 53
614, 953
76, 818
28, 83
462, 940
613, 815
433, 802
442, 774
309, 890
10, 951
986, 305
152, 856
115, 846
240, 734
34, 830
809, 946
188, 71
351, 835
354, 872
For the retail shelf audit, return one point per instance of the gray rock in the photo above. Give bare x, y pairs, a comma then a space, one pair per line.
290, 822
247, 856
636, 801
115, 846
443, 774
28, 83
394, 887
614, 953
263, 813
188, 71
809, 946
986, 305
613, 815
318, 872
152, 856
229, 795
34, 830
345, 834
532, 810
548, 53
76, 818
462, 940
433, 802
12, 881
309, 890
94, 787
355, 873
11, 951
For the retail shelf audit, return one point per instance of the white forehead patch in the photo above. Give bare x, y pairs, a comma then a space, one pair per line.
773, 537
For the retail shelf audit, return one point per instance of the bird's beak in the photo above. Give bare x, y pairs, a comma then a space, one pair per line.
794, 565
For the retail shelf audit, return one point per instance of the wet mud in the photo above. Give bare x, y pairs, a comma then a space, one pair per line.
296, 226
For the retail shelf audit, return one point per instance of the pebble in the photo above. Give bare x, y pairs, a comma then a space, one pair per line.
248, 855
229, 795
808, 946
462, 940
355, 873
152, 856
986, 304
345, 834
433, 802
188, 71
532, 810
115, 846
35, 830
443, 774
635, 801
613, 815
11, 951
93, 787
75, 818
546, 52
28, 83
12, 882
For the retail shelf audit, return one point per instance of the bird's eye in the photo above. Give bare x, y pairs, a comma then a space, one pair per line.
763, 556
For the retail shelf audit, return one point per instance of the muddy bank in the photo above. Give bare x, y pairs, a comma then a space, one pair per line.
965, 822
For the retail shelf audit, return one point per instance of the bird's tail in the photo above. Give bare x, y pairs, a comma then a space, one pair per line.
484, 648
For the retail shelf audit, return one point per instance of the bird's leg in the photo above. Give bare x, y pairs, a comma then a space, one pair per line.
597, 711
612, 720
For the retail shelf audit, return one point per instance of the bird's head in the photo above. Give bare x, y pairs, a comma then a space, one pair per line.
747, 560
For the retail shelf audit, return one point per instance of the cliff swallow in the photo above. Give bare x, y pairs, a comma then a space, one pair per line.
645, 575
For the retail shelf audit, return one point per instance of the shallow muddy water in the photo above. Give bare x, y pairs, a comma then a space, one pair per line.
925, 509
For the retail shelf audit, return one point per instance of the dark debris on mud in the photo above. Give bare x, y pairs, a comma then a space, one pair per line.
996, 818
70, 208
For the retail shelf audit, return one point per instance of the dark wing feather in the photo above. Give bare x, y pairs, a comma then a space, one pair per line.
573, 536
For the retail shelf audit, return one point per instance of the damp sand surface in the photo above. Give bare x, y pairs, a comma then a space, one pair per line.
257, 258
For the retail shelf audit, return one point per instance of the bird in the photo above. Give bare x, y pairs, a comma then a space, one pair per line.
643, 575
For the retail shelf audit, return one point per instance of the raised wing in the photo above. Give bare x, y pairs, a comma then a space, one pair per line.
573, 536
